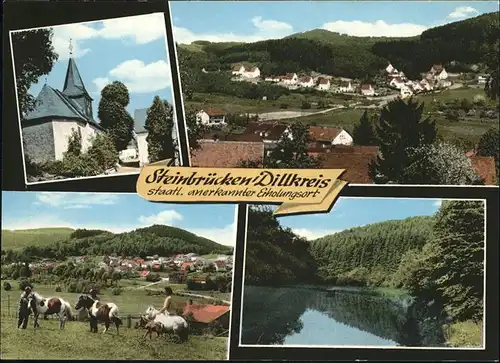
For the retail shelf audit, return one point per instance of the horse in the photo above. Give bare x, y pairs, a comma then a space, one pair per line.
99, 312
48, 306
171, 323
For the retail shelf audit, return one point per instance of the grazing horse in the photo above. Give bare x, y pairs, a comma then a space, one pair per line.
99, 312
171, 323
48, 306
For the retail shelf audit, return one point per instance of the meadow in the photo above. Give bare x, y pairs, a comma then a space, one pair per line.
41, 237
49, 342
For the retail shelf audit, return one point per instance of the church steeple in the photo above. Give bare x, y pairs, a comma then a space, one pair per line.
74, 88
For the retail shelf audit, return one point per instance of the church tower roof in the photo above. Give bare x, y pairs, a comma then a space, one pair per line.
73, 83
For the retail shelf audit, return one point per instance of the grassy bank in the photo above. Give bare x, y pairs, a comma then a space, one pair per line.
76, 342
466, 334
19, 239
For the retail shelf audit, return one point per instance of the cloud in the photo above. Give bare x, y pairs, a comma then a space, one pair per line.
438, 203
74, 200
463, 12
378, 28
138, 76
168, 217
143, 78
100, 83
225, 235
140, 29
312, 234
264, 29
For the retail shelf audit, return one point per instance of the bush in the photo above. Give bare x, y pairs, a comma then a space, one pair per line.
283, 106
153, 277
58, 288
305, 105
103, 151
24, 283
116, 291
7, 286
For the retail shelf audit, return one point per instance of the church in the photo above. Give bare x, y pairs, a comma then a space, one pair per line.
57, 114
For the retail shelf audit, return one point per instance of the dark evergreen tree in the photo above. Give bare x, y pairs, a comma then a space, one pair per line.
400, 127
34, 56
364, 133
159, 124
458, 259
113, 116
290, 151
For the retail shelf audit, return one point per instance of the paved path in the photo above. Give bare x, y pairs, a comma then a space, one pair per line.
182, 293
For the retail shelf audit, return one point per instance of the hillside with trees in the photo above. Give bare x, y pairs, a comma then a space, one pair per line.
157, 239
275, 255
457, 44
369, 255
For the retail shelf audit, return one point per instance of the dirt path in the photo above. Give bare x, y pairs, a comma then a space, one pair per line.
282, 115
163, 279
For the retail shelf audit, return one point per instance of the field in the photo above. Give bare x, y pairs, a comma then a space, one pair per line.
48, 342
469, 127
232, 104
19, 239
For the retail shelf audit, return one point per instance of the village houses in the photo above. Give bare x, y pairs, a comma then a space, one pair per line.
323, 84
344, 87
245, 72
211, 116
324, 137
306, 82
438, 72
367, 90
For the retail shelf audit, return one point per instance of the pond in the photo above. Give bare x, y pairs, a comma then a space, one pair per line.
300, 316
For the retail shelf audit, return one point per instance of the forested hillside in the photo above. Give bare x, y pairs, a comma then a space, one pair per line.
275, 255
157, 239
468, 41
369, 255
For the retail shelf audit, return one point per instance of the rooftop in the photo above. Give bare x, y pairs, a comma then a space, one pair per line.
226, 154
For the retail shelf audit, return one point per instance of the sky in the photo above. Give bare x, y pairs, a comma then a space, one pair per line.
116, 213
247, 21
355, 212
131, 50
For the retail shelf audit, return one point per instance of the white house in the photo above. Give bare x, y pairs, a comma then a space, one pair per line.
389, 69
482, 79
306, 82
367, 90
47, 128
328, 136
211, 116
238, 70
406, 91
397, 83
345, 87
251, 72
323, 84
438, 72
290, 78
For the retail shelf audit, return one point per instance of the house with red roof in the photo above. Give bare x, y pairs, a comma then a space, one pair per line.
207, 314
144, 273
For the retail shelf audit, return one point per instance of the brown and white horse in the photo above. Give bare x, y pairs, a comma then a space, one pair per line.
48, 306
99, 312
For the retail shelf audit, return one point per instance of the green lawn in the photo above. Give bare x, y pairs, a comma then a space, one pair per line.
76, 342
19, 239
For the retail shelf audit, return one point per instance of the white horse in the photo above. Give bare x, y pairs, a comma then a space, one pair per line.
171, 323
48, 306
